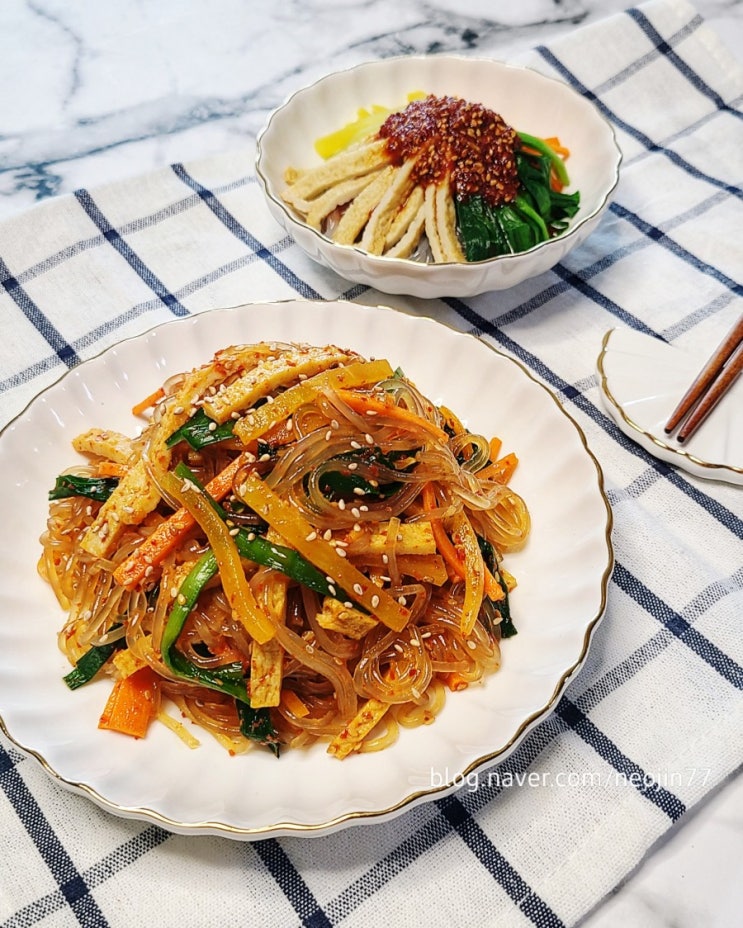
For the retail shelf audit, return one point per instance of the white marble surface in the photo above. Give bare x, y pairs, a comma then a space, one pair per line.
94, 91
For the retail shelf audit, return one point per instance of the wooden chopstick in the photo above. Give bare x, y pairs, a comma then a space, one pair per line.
710, 385
710, 399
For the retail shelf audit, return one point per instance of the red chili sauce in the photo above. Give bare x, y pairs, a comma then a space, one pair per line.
451, 136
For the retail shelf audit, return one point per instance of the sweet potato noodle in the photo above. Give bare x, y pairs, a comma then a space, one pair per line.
299, 546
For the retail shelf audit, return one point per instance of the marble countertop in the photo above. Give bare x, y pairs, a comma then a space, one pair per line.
93, 92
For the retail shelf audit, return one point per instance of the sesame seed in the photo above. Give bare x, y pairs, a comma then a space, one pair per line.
472, 645
251, 536
331, 589
234, 531
265, 457
327, 534
181, 599
149, 569
212, 426
399, 648
342, 504
359, 491
371, 412
328, 435
375, 601
178, 410
335, 424
311, 537
356, 513
349, 605
353, 465
358, 589
369, 440
340, 552
355, 445
402, 600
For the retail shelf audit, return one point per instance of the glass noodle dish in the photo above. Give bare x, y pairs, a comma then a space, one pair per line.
441, 180
298, 547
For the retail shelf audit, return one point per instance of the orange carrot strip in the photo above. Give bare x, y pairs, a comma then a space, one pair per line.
133, 703
501, 470
495, 446
169, 533
147, 402
443, 542
293, 704
455, 681
364, 404
556, 146
492, 589
111, 469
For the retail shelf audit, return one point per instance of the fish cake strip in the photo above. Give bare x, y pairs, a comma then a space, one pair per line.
347, 190
431, 226
357, 215
408, 242
269, 374
401, 223
340, 167
446, 223
375, 234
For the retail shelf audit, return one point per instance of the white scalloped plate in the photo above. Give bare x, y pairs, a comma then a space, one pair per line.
563, 575
642, 379
527, 100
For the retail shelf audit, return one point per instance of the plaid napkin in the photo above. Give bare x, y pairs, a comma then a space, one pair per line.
653, 721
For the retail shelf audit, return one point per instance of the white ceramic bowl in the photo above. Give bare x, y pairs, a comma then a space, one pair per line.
527, 100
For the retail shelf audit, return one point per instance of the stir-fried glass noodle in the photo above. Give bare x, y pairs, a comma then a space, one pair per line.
298, 547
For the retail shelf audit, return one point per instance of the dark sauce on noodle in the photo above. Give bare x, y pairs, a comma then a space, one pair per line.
451, 136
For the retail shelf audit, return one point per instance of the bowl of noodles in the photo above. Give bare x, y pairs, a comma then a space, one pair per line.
331, 568
438, 175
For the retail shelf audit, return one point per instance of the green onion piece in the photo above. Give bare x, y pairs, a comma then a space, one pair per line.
201, 431
91, 662
97, 488
256, 548
256, 725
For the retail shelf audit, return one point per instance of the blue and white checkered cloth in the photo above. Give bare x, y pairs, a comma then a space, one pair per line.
654, 720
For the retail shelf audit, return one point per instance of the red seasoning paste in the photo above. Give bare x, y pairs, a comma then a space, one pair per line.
467, 141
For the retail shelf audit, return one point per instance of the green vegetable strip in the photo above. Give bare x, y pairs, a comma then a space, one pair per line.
201, 431
253, 548
91, 662
522, 205
97, 488
256, 725
257, 549
502, 607
558, 165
